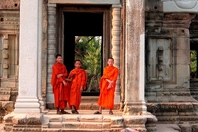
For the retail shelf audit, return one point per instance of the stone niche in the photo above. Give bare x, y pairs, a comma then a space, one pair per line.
9, 42
159, 58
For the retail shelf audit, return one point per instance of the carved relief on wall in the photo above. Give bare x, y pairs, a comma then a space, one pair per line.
9, 4
159, 60
180, 6
186, 4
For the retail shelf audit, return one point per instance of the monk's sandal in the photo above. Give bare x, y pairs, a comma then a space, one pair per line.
97, 112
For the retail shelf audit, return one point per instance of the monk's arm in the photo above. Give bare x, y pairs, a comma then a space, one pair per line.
53, 79
84, 80
113, 79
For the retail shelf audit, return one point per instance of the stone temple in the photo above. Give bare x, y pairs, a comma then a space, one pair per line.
150, 41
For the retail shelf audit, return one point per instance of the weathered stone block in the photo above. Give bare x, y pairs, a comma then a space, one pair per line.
56, 118
5, 45
90, 118
5, 56
183, 43
20, 119
5, 94
185, 127
117, 121
71, 125
8, 106
55, 125
8, 84
74, 118
194, 128
90, 125
5, 66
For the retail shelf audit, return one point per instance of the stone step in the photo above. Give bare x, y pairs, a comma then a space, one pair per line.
80, 125
78, 130
86, 121
89, 99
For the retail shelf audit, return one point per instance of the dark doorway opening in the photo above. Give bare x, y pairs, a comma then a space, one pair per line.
80, 24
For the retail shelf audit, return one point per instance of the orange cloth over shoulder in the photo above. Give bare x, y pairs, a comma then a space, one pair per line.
106, 98
79, 78
61, 92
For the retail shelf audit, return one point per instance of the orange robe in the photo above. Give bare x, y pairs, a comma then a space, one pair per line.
61, 92
79, 78
106, 98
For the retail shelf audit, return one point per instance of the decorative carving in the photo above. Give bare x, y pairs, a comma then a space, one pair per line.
160, 55
116, 46
186, 4
9, 4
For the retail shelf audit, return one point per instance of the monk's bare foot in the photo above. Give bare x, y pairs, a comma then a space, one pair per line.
110, 112
64, 112
75, 112
59, 112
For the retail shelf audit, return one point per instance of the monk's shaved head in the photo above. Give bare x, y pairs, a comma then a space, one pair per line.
57, 55
111, 58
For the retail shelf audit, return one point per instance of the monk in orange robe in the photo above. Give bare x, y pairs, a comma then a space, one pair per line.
78, 78
107, 87
59, 84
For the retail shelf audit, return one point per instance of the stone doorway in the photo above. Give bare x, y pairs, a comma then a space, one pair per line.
101, 20
84, 21
78, 25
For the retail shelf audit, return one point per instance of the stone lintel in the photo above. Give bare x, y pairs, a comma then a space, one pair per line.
98, 2
180, 6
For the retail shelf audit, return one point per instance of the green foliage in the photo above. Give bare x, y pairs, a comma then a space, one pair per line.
88, 50
193, 64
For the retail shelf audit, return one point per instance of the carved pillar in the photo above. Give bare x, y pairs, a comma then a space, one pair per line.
51, 50
40, 41
30, 57
5, 56
116, 45
134, 61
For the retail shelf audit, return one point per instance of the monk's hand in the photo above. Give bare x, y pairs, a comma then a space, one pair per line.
69, 79
81, 89
110, 84
64, 83
59, 75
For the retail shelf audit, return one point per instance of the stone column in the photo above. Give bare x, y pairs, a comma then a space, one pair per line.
29, 57
116, 45
40, 41
51, 50
5, 56
135, 61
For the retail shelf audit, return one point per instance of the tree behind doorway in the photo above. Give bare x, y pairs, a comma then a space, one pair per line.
88, 50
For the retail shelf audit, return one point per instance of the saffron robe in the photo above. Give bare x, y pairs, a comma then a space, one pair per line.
79, 78
106, 98
61, 92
